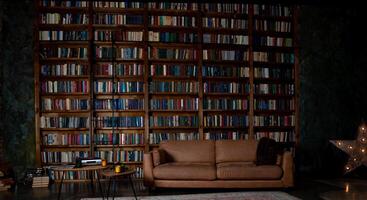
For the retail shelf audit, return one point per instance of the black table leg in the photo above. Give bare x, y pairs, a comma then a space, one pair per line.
100, 187
132, 187
108, 189
114, 188
91, 182
60, 186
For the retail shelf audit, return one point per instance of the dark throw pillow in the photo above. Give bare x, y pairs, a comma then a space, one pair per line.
159, 157
266, 153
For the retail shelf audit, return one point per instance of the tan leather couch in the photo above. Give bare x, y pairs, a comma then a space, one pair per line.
214, 164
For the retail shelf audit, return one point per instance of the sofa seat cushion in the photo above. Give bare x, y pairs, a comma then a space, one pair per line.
248, 171
185, 171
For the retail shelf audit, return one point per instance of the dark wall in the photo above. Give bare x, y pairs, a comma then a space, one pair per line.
333, 96
17, 90
333, 86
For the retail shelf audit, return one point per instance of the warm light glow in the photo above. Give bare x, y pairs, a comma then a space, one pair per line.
350, 147
363, 128
347, 188
363, 139
339, 143
363, 150
347, 167
354, 159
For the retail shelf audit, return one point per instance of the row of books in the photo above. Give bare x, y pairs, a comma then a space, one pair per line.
225, 7
126, 53
226, 121
108, 35
225, 104
114, 4
275, 89
177, 54
225, 39
174, 86
65, 86
230, 55
119, 69
174, 121
275, 73
40, 181
84, 175
164, 20
229, 23
64, 18
64, 104
276, 57
65, 69
225, 71
272, 41
81, 138
119, 104
123, 121
63, 3
64, 122
117, 19
63, 35
226, 87
63, 52
71, 175
274, 104
173, 70
119, 87
173, 6
279, 136
120, 156
50, 157
272, 10
273, 26
179, 37
174, 104
156, 138
274, 120
230, 135
119, 138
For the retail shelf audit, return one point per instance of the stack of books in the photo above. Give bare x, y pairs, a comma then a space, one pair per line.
40, 181
6, 183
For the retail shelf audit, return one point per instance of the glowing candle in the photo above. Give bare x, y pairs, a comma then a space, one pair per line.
117, 168
104, 163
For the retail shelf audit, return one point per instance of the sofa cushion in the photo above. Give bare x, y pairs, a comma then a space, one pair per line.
159, 157
248, 171
235, 150
189, 151
185, 171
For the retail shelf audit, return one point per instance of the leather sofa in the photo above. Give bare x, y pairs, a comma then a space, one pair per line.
214, 164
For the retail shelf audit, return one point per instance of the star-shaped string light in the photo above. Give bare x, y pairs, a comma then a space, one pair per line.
356, 149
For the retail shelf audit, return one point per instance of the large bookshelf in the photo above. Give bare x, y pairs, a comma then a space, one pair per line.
113, 79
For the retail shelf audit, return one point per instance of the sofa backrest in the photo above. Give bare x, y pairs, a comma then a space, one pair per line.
235, 150
189, 151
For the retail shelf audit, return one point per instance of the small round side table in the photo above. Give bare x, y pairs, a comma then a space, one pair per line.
112, 176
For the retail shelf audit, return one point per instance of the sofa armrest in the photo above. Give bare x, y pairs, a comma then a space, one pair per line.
148, 169
287, 166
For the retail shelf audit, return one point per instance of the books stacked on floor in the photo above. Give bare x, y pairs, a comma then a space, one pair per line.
6, 183
40, 181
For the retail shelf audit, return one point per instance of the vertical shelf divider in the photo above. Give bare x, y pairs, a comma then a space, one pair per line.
200, 72
146, 78
251, 134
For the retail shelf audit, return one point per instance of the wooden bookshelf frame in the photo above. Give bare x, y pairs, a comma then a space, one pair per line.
147, 95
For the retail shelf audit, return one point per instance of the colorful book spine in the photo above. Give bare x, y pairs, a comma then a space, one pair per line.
274, 120
231, 121
64, 122
108, 35
175, 104
63, 52
225, 104
226, 87
63, 35
123, 122
279, 136
274, 89
225, 55
274, 57
180, 37
119, 138
176, 54
81, 86
107, 69
156, 138
183, 21
121, 156
119, 104
64, 104
173, 70
174, 86
173, 6
274, 73
230, 135
66, 69
112, 4
225, 7
81, 138
228, 23
274, 104
66, 4
65, 18
52, 157
262, 25
225, 71
119, 87
117, 19
173, 121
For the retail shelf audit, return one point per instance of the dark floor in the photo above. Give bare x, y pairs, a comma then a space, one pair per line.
307, 189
